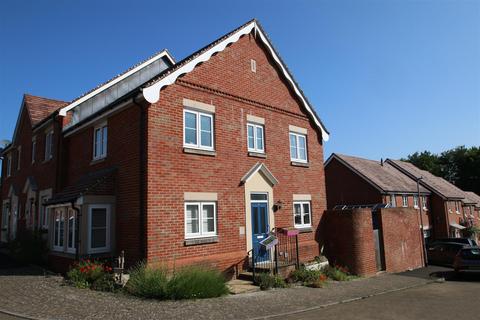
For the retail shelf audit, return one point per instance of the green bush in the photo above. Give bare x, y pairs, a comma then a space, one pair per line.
147, 282
196, 282
29, 247
104, 283
305, 275
337, 273
267, 281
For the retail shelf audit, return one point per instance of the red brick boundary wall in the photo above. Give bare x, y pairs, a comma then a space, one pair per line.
347, 236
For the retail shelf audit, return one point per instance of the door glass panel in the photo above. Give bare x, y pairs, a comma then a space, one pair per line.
258, 196
255, 220
263, 222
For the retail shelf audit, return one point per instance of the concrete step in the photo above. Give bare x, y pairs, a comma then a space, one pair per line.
238, 286
246, 275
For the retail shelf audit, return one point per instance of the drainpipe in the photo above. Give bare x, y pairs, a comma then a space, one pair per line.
420, 206
143, 177
78, 216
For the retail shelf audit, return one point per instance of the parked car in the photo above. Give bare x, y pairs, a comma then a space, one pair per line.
467, 241
467, 259
444, 253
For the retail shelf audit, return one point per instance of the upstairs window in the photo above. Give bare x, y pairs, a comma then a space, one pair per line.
19, 157
415, 202
34, 149
298, 147
393, 201
9, 165
49, 145
197, 130
424, 203
405, 201
302, 214
457, 209
100, 138
255, 138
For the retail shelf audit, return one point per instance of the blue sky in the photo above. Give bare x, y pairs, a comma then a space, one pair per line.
387, 77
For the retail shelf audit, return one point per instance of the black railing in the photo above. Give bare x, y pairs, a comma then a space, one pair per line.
283, 254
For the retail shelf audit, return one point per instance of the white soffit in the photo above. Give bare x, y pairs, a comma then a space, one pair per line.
152, 93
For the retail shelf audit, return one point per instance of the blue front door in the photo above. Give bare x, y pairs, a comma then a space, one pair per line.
259, 229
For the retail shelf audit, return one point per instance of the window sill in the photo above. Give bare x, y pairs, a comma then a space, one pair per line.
257, 154
95, 161
304, 229
197, 241
202, 152
300, 164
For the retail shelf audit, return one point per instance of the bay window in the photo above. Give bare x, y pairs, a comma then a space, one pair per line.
58, 229
98, 228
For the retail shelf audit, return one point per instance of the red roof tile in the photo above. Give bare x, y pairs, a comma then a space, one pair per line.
40, 108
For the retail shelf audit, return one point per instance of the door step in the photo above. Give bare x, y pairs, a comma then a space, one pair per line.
246, 276
238, 286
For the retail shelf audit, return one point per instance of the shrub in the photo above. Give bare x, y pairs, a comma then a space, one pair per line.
147, 282
196, 282
267, 281
305, 275
91, 274
29, 247
317, 283
337, 273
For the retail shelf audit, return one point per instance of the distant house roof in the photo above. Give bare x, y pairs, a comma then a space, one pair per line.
40, 108
436, 184
471, 198
384, 177
151, 90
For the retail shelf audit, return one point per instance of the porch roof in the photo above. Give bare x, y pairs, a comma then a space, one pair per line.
87, 184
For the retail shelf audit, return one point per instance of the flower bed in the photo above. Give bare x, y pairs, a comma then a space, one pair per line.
93, 274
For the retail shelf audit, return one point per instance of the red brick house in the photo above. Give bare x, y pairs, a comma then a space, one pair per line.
357, 181
182, 162
375, 216
446, 200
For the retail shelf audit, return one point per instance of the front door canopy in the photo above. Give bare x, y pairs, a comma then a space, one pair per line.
260, 167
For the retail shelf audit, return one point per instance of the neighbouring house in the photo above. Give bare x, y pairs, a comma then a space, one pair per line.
195, 161
375, 216
446, 200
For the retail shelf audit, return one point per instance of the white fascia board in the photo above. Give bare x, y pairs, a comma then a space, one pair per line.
152, 93
164, 53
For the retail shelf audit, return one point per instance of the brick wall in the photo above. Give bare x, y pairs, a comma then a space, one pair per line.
227, 82
402, 239
348, 239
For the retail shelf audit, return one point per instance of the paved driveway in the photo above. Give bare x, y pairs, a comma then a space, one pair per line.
29, 292
450, 300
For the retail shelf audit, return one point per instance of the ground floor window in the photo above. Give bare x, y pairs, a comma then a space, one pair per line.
302, 214
59, 229
200, 219
72, 225
98, 228
44, 212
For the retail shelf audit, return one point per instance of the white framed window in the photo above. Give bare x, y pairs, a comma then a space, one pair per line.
44, 212
19, 157
457, 209
200, 219
34, 148
424, 202
415, 202
298, 147
404, 201
59, 229
100, 139
302, 214
393, 201
9, 165
49, 145
98, 228
197, 129
253, 65
71, 230
255, 136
